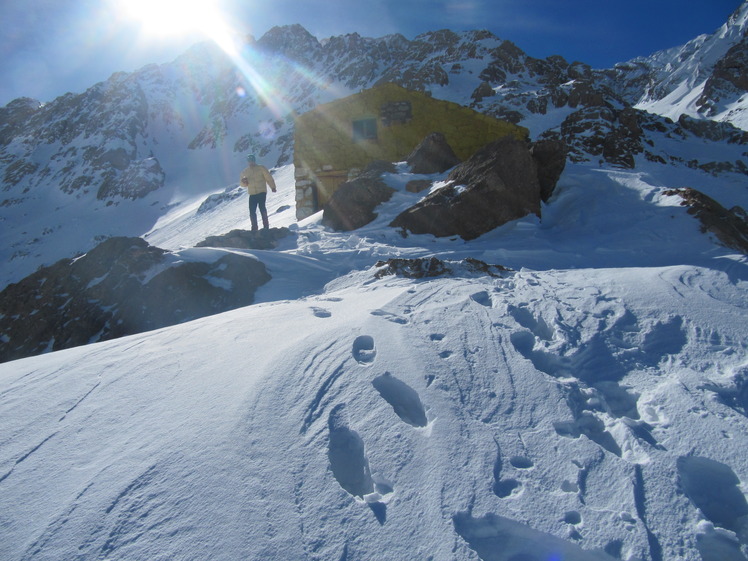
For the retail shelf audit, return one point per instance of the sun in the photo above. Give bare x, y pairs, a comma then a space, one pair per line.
169, 18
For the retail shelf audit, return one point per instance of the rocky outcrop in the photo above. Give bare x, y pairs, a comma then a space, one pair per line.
729, 227
217, 199
619, 137
429, 267
432, 155
500, 183
352, 205
246, 239
121, 287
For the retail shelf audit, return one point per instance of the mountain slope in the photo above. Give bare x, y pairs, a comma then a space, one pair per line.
704, 78
589, 404
119, 155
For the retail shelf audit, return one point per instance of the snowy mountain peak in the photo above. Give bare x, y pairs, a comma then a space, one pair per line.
705, 78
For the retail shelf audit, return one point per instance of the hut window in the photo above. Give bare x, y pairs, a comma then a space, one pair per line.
365, 129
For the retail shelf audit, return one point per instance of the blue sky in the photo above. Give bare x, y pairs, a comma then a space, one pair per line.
49, 47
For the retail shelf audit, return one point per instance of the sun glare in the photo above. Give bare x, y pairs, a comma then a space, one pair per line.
168, 18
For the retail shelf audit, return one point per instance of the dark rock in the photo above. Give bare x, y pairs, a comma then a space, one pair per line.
616, 136
496, 185
729, 78
550, 158
427, 267
730, 227
713, 130
352, 205
432, 155
246, 239
482, 91
121, 287
218, 199
378, 167
585, 94
417, 268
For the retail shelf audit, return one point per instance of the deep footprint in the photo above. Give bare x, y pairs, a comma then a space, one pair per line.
483, 298
348, 461
714, 489
403, 399
496, 538
363, 349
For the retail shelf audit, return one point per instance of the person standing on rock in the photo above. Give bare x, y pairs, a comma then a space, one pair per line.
255, 179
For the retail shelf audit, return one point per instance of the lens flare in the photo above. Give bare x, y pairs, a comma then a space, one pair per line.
163, 18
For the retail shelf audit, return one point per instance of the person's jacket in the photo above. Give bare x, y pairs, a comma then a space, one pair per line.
255, 179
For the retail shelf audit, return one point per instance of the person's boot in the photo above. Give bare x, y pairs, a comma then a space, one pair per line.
265, 223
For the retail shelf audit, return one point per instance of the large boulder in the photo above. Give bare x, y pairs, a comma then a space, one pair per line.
498, 184
550, 158
352, 205
121, 287
432, 155
247, 239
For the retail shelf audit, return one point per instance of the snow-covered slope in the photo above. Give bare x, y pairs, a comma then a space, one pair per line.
706, 77
589, 404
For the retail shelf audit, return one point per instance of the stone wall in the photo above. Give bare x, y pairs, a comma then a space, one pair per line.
325, 152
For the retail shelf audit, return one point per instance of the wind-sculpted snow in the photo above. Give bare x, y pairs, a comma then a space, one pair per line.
562, 413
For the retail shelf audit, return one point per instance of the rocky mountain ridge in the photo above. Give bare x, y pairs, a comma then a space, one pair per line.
705, 78
146, 139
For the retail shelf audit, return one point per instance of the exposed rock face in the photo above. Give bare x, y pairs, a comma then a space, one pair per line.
121, 287
730, 227
427, 267
550, 159
246, 239
432, 155
498, 184
352, 205
213, 201
619, 136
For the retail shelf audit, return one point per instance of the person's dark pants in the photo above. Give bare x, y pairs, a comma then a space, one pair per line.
254, 202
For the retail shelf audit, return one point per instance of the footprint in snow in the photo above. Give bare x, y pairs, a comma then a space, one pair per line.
483, 298
537, 325
321, 312
363, 349
714, 488
502, 488
520, 462
350, 465
394, 318
496, 538
404, 400
348, 460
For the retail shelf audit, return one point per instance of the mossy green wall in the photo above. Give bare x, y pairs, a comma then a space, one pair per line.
324, 135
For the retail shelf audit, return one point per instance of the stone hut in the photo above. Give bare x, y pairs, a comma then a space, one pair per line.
336, 140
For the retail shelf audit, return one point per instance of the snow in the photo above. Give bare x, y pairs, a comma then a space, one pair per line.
589, 404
